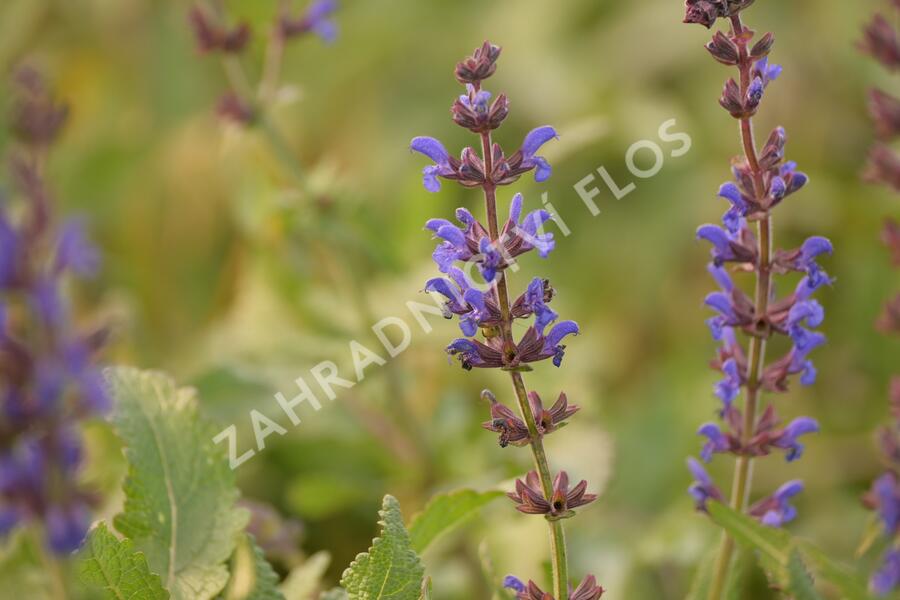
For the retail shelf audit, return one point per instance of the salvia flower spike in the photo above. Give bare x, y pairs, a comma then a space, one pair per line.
743, 324
468, 248
882, 42
48, 381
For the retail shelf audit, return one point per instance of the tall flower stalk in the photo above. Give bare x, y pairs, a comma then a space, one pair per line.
486, 311
49, 384
762, 179
881, 42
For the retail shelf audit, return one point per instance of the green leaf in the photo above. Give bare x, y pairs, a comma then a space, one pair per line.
303, 581
800, 581
180, 492
843, 579
110, 564
391, 568
444, 512
787, 559
252, 577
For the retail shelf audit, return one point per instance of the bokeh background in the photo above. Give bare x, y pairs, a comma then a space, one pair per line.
227, 269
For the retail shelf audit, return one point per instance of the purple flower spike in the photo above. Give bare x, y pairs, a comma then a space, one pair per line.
795, 429
532, 143
434, 150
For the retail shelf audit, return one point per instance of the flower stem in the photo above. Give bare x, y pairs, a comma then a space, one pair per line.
743, 473
557, 534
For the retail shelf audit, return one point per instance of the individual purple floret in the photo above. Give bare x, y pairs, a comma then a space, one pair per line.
776, 510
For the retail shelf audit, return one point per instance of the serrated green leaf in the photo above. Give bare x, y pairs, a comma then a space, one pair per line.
800, 580
180, 492
112, 565
782, 556
391, 569
303, 581
444, 512
845, 581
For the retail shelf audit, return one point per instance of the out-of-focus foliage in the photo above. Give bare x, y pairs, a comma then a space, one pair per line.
221, 270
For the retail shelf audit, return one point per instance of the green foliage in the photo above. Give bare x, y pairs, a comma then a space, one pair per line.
444, 512
391, 569
180, 492
112, 565
790, 563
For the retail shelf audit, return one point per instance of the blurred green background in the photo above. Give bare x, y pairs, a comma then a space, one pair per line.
221, 269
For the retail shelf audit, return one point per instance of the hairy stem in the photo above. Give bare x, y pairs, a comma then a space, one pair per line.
743, 473
542, 466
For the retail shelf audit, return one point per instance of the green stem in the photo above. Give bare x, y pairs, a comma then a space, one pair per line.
743, 473
542, 466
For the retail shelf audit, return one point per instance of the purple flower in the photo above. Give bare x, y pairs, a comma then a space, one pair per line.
532, 143
75, 251
513, 583
315, 19
490, 261
728, 388
479, 101
9, 244
67, 527
766, 72
776, 510
50, 381
788, 439
887, 577
534, 301
811, 249
716, 441
434, 150
733, 218
522, 236
885, 496
727, 244
702, 489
